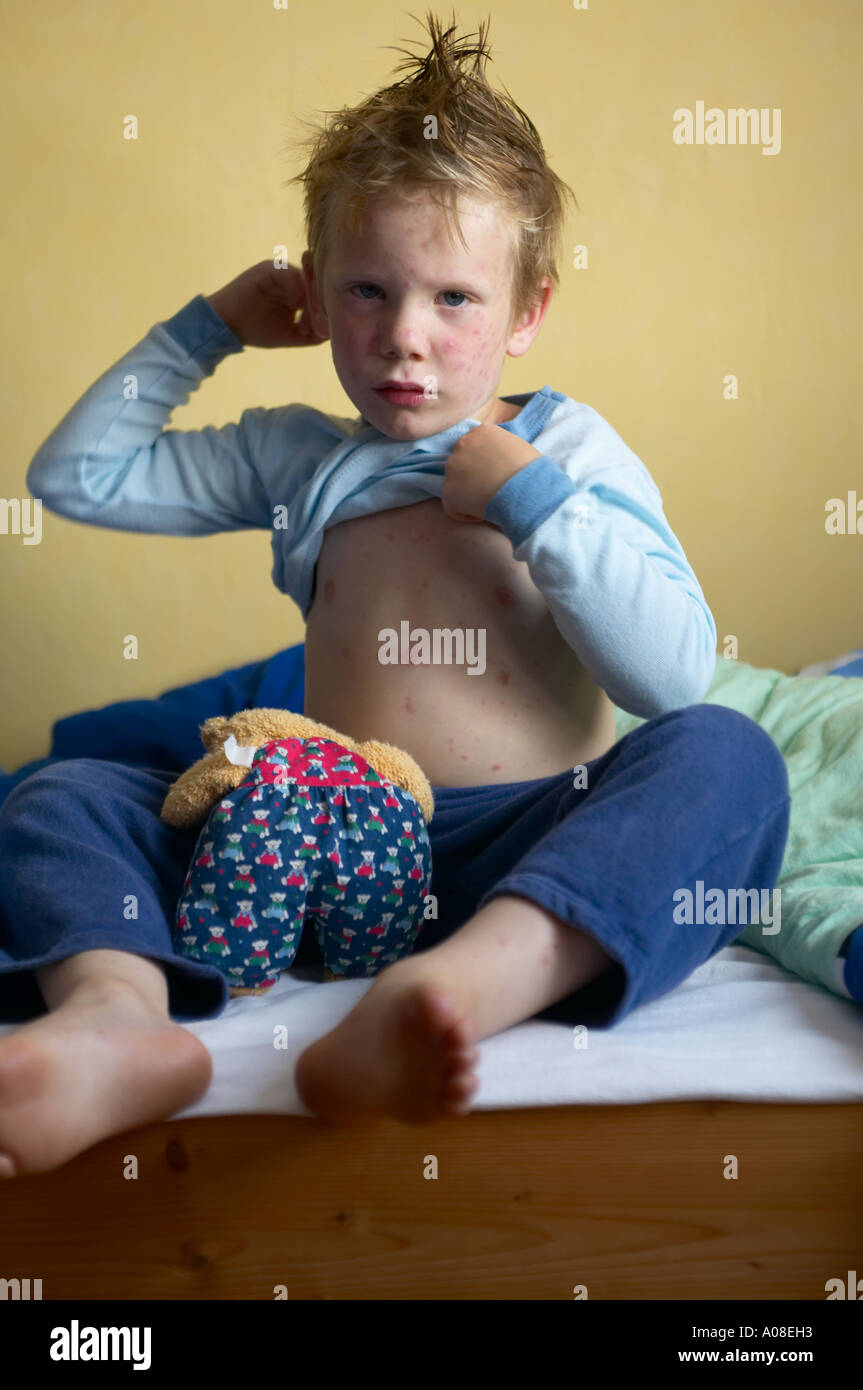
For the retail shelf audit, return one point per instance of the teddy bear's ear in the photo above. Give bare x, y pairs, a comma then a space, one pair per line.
214, 732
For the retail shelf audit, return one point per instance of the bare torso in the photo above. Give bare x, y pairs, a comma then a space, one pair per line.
532, 712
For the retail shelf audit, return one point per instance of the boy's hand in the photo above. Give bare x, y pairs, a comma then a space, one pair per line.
481, 462
267, 308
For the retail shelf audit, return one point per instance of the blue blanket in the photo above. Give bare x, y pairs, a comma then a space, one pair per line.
165, 733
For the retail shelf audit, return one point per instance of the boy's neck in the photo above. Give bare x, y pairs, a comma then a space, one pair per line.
505, 410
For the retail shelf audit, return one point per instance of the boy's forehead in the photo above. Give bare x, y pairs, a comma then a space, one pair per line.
418, 235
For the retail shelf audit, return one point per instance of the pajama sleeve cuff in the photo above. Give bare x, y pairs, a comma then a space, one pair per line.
525, 500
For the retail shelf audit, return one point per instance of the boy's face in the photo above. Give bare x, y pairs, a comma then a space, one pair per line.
400, 302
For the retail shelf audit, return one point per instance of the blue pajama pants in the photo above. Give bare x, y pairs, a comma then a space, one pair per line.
698, 794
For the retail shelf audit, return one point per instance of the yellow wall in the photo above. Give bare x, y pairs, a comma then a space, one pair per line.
704, 260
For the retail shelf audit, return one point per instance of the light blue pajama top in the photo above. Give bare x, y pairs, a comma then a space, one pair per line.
586, 516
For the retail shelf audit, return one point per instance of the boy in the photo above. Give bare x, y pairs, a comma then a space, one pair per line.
525, 517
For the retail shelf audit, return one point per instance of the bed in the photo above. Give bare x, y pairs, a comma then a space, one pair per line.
709, 1147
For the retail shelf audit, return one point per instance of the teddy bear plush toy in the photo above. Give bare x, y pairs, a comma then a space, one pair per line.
299, 822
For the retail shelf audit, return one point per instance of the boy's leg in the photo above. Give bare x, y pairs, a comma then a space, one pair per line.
699, 794
89, 865
92, 971
87, 895
694, 800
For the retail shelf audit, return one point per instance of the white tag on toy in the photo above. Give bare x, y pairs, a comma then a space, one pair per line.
237, 753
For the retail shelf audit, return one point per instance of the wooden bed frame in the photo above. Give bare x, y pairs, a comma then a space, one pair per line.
629, 1201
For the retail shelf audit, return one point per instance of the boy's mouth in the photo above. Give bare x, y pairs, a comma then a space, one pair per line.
401, 392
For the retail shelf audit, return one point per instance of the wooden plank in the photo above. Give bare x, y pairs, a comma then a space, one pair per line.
630, 1201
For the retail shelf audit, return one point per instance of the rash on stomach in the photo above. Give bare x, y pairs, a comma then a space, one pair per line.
533, 711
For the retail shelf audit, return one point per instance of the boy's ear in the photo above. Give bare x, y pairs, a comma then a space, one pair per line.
317, 313
526, 328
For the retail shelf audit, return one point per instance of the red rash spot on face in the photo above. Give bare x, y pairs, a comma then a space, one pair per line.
495, 767
505, 597
503, 675
409, 705
329, 590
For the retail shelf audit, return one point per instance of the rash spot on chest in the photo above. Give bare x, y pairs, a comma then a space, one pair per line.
505, 597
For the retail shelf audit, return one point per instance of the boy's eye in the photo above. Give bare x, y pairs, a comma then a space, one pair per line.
458, 293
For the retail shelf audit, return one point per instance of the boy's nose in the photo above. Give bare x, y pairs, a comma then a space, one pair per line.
403, 331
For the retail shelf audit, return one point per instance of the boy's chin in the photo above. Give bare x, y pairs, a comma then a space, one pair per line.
416, 423
419, 426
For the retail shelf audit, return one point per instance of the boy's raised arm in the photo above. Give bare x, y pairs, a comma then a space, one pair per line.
112, 462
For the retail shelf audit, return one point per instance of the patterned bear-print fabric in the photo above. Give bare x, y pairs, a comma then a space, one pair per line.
313, 833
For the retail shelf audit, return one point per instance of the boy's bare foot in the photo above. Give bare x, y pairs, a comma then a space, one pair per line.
402, 1052
101, 1063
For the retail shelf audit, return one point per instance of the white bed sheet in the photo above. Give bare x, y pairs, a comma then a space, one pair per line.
739, 1028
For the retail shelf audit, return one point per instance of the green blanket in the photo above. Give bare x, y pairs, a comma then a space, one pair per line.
817, 724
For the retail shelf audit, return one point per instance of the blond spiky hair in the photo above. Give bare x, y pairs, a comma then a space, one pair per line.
485, 147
